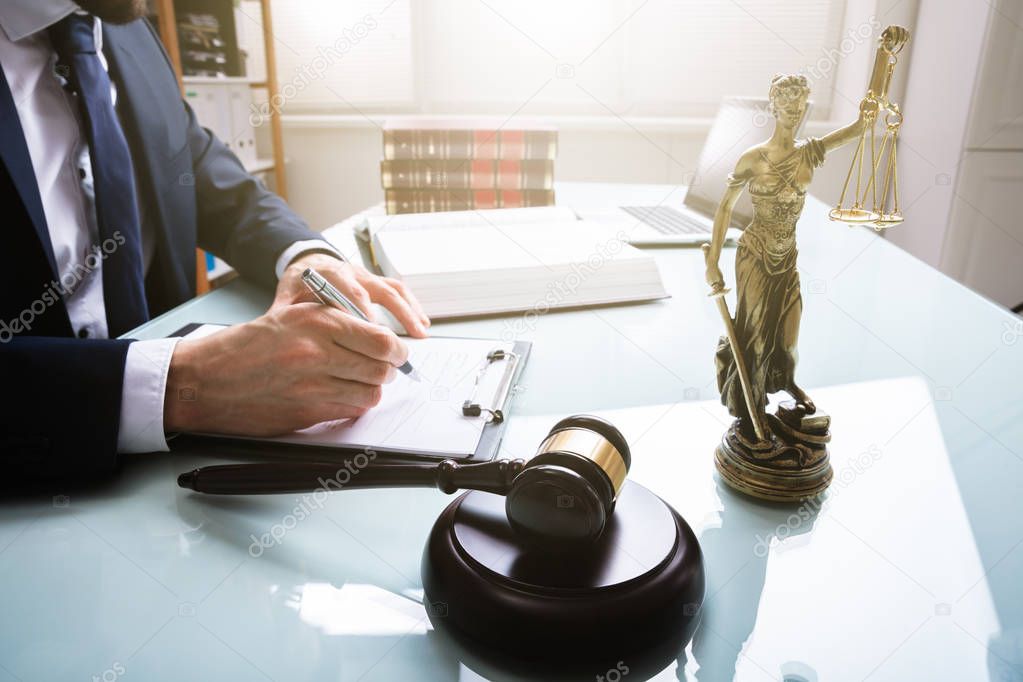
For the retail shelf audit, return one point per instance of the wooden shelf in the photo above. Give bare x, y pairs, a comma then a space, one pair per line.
169, 35
259, 165
226, 80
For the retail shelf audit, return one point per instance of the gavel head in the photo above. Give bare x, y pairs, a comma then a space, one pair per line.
565, 495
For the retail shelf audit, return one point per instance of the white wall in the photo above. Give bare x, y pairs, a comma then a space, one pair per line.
947, 48
333, 166
333, 169
333, 161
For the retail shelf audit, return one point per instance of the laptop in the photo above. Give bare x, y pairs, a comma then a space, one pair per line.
741, 122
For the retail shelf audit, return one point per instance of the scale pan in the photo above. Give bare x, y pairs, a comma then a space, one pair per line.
886, 220
854, 216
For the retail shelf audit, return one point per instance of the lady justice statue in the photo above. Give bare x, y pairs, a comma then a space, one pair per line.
782, 456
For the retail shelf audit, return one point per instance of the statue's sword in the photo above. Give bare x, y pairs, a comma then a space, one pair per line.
718, 292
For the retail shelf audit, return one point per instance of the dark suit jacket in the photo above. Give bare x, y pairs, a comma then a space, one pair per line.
62, 395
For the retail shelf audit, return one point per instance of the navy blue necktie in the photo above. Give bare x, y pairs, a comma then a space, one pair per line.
124, 293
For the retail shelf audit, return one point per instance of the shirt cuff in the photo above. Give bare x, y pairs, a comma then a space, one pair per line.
305, 246
145, 382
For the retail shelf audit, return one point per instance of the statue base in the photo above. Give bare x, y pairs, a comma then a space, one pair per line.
792, 465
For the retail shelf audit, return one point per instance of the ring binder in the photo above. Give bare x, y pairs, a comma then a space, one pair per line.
471, 408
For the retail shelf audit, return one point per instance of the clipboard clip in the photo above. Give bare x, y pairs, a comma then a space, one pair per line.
471, 407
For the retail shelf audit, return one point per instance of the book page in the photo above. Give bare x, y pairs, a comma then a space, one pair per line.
510, 217
495, 250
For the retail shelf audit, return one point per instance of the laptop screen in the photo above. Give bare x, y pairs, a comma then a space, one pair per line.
741, 122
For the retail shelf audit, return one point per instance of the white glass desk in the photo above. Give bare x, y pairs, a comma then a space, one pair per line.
911, 569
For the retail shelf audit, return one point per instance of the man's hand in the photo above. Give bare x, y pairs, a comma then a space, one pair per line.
358, 284
295, 366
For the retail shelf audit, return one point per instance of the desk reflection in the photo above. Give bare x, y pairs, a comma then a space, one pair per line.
736, 552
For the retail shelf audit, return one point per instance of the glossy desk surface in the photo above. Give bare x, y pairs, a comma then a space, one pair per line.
911, 569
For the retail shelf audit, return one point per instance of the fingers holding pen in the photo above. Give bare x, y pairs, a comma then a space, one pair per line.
346, 364
365, 338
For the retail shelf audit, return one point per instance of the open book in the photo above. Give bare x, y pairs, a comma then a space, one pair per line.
509, 260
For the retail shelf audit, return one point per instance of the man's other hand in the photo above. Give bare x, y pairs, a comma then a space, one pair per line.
358, 284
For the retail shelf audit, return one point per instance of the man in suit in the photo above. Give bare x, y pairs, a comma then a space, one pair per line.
107, 185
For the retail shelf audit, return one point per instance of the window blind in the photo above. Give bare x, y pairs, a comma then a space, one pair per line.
344, 55
600, 57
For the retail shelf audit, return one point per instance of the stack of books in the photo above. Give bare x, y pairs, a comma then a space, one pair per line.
454, 165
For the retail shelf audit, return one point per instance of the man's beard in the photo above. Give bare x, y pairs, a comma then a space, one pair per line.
115, 11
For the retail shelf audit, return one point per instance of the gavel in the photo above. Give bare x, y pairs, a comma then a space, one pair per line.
563, 496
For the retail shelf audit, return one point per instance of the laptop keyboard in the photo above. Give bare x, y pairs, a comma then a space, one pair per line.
667, 220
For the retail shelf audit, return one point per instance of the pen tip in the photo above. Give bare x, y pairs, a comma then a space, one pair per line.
187, 480
414, 376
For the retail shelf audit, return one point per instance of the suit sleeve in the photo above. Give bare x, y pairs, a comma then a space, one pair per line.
239, 219
62, 400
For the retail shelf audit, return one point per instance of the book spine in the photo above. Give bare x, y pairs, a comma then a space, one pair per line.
530, 174
436, 145
429, 201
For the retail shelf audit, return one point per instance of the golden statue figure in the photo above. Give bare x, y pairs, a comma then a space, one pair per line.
781, 456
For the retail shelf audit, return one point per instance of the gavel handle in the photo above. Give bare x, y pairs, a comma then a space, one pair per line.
258, 478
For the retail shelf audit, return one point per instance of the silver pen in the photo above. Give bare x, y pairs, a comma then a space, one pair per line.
328, 294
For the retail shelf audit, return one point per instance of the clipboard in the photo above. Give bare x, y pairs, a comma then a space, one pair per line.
489, 397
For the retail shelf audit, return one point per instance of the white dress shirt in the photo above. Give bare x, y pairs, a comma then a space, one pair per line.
60, 159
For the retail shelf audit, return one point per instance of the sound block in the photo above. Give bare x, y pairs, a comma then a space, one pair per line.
642, 581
